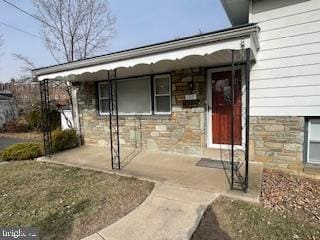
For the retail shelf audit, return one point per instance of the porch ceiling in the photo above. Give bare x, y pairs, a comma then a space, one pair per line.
204, 51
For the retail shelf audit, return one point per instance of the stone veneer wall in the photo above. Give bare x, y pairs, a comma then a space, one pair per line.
183, 131
277, 141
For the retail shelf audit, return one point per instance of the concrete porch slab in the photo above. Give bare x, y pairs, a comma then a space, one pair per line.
173, 169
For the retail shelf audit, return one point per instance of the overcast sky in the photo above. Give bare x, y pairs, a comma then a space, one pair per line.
138, 23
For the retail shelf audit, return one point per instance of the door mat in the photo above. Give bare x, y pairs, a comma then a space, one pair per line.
212, 163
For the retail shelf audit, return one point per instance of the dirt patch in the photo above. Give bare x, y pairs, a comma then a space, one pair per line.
65, 202
282, 192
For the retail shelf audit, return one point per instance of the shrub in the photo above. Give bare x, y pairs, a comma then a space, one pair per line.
54, 119
22, 151
34, 118
64, 139
16, 125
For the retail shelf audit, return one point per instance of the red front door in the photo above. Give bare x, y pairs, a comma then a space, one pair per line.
222, 108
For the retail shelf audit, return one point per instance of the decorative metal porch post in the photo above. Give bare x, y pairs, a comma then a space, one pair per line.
45, 109
232, 121
248, 62
114, 121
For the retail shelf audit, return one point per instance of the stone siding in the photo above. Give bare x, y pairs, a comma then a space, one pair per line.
277, 141
183, 131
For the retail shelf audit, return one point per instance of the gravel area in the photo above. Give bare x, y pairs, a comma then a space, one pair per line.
299, 195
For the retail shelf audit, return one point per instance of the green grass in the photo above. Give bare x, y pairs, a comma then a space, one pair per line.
65, 202
227, 219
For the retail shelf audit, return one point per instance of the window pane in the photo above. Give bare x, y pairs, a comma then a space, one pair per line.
314, 152
162, 104
104, 90
162, 85
134, 96
104, 106
315, 130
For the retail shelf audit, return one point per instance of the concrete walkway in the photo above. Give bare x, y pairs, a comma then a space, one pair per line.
169, 212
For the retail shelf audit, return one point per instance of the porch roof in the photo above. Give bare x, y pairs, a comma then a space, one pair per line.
204, 50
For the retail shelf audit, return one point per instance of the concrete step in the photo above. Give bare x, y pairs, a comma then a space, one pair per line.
222, 154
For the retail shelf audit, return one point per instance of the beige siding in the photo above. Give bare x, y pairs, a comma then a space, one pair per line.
286, 78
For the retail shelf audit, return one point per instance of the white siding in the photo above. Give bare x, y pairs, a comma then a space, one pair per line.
285, 81
66, 117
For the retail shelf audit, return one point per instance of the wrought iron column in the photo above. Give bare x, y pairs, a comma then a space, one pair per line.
114, 121
248, 61
45, 109
232, 121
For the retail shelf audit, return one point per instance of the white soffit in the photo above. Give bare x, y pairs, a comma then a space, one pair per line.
237, 11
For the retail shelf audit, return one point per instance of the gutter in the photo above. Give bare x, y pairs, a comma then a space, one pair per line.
225, 34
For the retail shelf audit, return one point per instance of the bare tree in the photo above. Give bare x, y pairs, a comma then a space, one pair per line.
75, 29
28, 64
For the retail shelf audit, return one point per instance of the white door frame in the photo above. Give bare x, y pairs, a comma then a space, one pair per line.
209, 108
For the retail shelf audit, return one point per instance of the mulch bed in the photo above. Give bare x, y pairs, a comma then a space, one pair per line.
288, 193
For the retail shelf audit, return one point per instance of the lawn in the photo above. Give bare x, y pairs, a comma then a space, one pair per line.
227, 219
289, 209
65, 202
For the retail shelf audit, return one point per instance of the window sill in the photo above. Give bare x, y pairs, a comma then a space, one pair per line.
311, 168
143, 117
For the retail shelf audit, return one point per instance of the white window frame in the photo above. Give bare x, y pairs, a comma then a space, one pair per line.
317, 120
155, 95
102, 98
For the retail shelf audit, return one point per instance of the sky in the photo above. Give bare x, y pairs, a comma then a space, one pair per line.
138, 23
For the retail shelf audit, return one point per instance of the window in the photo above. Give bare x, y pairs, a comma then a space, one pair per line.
313, 152
103, 98
134, 96
162, 94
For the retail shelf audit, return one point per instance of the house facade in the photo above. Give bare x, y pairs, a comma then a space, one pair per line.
192, 95
285, 84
